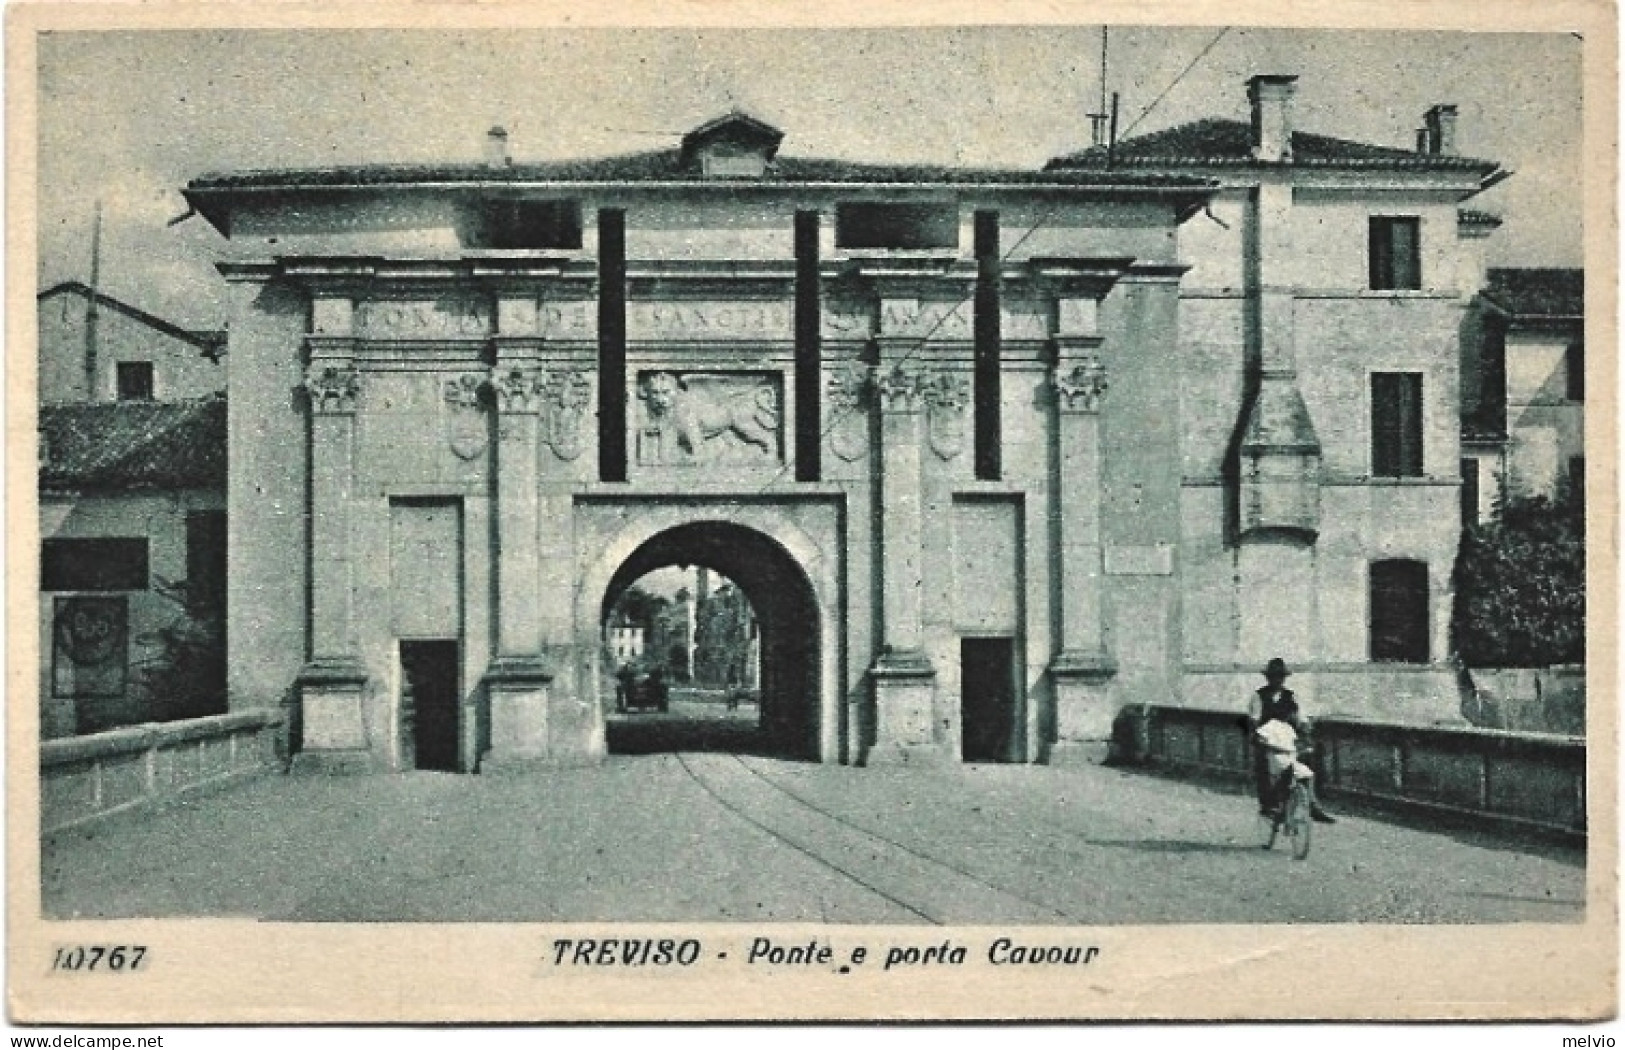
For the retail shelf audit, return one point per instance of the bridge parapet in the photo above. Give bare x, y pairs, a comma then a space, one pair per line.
84, 778
1517, 780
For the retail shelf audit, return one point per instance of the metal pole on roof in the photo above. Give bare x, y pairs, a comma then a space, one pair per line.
1104, 31
1111, 142
91, 305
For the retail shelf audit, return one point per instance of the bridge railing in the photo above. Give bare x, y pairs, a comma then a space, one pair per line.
1533, 780
83, 778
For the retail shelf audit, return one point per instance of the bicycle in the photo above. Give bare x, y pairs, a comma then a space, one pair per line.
1292, 816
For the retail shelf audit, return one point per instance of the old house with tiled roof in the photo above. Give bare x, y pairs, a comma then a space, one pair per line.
1319, 344
132, 502
1523, 395
132, 483
94, 347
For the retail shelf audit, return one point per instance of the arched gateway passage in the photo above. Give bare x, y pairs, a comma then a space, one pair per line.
786, 610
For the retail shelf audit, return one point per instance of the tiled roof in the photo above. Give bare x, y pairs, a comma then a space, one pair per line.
1537, 292
670, 166
133, 445
212, 344
1229, 143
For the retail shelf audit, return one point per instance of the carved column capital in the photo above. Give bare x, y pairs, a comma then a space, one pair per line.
1081, 385
333, 389
517, 389
900, 388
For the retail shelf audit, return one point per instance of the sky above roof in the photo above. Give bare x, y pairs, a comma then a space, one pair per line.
128, 117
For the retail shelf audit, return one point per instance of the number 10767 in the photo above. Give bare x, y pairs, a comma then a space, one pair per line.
105, 958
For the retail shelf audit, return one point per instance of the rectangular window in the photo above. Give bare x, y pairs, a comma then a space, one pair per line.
135, 380
1469, 493
1574, 369
94, 565
206, 557
1396, 255
1399, 612
528, 224
890, 225
1396, 424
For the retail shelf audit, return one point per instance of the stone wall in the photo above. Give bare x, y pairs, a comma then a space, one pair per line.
1510, 780
88, 777
1527, 699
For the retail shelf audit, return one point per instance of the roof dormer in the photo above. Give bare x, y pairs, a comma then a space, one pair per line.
735, 145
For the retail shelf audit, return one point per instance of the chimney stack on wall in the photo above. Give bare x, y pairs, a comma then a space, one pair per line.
1271, 98
496, 148
1440, 134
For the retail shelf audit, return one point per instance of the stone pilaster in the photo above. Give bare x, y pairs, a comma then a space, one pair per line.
519, 678
904, 680
333, 683
1081, 672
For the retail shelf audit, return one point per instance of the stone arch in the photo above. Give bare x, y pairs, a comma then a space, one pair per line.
790, 579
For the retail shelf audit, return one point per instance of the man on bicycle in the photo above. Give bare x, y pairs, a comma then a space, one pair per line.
1275, 703
1279, 742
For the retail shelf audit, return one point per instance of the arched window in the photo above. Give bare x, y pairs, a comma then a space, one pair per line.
1399, 612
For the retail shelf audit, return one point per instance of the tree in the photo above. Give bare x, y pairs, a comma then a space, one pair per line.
184, 673
1520, 585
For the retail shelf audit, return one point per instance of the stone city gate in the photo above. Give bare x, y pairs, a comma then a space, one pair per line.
457, 520
890, 427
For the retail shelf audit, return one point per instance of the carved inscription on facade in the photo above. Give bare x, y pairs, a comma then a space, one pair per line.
710, 417
708, 320
450, 318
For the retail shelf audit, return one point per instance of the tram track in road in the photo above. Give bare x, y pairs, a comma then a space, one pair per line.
757, 824
873, 859
928, 858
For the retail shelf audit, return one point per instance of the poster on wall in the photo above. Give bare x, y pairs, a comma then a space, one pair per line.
90, 640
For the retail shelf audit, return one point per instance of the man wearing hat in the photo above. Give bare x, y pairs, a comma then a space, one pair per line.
1275, 701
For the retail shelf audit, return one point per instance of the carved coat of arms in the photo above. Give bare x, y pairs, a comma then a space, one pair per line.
848, 426
945, 394
467, 430
565, 396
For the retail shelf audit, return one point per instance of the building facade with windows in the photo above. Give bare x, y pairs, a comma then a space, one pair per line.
132, 491
1320, 340
1523, 407
132, 563
93, 347
990, 453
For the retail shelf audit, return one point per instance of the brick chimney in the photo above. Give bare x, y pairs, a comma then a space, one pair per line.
1441, 130
496, 148
1271, 98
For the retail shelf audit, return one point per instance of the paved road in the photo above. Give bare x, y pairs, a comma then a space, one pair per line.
721, 837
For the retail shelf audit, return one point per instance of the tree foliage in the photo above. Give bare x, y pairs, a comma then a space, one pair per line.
184, 671
1520, 585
